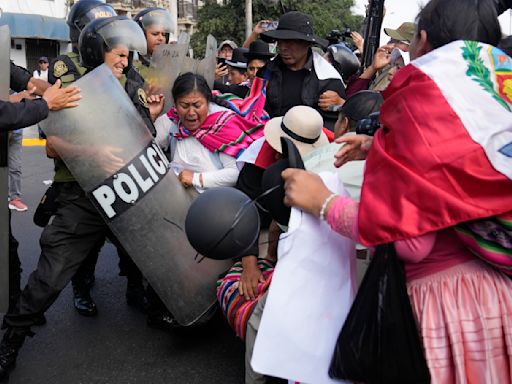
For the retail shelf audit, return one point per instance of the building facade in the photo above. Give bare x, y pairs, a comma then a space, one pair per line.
38, 28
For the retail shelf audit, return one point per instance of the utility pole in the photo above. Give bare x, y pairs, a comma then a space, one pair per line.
248, 18
173, 9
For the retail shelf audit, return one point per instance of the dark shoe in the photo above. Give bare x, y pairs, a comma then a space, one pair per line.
165, 322
83, 302
9, 347
136, 297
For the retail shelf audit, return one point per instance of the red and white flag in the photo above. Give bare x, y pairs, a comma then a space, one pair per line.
444, 155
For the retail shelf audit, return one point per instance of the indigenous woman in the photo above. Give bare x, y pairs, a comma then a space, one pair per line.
437, 183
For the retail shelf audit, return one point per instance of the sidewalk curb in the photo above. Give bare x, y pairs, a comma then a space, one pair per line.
33, 142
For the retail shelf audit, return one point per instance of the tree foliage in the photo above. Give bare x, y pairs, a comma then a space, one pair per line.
228, 21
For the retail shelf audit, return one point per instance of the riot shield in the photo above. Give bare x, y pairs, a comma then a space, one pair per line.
206, 66
5, 46
166, 64
142, 202
184, 38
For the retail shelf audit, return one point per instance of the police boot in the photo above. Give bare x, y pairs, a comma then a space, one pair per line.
136, 295
9, 347
83, 301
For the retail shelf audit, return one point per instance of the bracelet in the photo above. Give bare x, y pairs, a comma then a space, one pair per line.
325, 204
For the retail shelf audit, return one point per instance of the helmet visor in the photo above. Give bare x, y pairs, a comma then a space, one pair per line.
124, 33
159, 18
99, 12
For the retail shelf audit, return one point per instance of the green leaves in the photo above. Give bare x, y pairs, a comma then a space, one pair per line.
228, 21
479, 72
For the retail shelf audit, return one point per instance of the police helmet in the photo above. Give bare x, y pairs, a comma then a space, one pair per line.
103, 35
156, 16
83, 12
344, 60
222, 223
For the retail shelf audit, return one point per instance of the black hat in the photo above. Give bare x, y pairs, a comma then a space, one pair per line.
238, 59
222, 223
258, 50
274, 201
361, 104
294, 25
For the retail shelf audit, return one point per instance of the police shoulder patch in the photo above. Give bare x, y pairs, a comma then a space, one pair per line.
143, 98
60, 68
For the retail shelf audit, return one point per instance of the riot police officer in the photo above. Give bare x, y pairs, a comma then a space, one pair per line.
158, 27
68, 69
77, 226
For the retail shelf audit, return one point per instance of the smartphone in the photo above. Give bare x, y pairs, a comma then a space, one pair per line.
269, 26
221, 60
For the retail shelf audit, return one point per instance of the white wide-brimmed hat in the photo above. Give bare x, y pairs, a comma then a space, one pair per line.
302, 124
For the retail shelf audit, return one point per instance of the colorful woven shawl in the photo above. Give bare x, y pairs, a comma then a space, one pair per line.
490, 239
230, 131
236, 309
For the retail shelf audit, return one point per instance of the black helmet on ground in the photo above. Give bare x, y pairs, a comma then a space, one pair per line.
103, 35
155, 16
344, 60
222, 223
85, 11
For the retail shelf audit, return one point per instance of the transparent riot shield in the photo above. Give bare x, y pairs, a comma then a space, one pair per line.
166, 64
111, 153
184, 38
5, 46
206, 66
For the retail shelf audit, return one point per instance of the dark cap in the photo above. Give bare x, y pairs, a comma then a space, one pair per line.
294, 25
361, 104
43, 59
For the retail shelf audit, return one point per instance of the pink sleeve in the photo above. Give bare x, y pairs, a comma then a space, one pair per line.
342, 217
415, 249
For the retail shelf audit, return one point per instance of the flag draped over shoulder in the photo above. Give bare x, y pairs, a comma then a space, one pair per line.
444, 154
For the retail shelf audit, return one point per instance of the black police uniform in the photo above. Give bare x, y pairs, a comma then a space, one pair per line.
65, 243
68, 69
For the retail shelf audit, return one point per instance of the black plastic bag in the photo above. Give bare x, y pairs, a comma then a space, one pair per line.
380, 342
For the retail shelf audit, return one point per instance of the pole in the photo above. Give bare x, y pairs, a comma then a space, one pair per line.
248, 18
173, 9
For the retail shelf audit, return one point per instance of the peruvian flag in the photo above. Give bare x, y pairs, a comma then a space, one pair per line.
444, 154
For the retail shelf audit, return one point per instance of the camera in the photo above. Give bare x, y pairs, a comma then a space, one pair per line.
369, 125
336, 36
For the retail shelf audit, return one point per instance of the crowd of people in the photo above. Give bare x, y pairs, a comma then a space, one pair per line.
413, 150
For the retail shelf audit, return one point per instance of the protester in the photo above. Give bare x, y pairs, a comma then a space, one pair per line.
238, 82
462, 305
15, 150
206, 137
257, 57
299, 76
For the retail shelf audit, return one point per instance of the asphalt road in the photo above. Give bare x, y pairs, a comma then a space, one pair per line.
116, 346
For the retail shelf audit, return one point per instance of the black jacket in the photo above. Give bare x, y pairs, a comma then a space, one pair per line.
312, 88
23, 114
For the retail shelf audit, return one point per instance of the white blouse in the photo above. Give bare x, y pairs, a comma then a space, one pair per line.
217, 169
